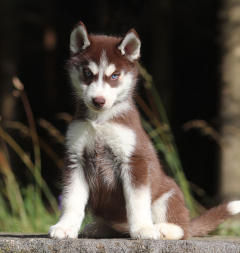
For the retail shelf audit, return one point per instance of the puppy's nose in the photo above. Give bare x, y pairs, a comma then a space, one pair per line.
99, 101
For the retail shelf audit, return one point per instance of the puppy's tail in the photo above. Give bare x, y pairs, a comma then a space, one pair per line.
213, 217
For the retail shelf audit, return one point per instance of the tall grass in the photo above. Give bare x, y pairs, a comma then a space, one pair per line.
22, 208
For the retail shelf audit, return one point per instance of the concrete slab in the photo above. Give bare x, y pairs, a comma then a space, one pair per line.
41, 243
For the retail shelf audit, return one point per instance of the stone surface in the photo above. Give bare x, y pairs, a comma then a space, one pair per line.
41, 243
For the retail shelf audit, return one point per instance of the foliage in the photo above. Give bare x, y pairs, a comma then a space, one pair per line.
231, 227
22, 208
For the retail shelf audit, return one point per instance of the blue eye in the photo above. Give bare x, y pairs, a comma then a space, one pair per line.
115, 76
87, 72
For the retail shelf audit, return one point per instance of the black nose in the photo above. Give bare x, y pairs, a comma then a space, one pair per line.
99, 101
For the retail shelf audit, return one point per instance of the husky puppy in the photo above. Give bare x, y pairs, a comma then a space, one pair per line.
111, 165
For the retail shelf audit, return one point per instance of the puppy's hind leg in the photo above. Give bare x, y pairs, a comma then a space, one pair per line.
165, 218
170, 231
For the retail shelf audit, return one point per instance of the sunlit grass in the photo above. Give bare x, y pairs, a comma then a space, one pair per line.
22, 208
230, 227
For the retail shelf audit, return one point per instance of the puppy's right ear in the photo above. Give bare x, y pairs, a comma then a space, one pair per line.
79, 39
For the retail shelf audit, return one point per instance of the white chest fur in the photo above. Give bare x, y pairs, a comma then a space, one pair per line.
84, 134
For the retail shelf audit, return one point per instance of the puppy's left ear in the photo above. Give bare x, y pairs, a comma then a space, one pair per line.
130, 45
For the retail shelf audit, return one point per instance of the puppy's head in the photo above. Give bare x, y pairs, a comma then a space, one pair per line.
103, 68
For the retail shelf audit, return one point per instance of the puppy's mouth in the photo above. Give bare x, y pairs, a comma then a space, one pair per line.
95, 108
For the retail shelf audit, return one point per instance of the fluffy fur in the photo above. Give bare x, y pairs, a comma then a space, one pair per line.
111, 166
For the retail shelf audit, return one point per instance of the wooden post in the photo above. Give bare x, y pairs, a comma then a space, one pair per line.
230, 100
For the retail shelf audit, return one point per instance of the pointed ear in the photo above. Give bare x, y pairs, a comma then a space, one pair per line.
130, 45
79, 39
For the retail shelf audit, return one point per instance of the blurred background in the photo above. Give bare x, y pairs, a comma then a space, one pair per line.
189, 96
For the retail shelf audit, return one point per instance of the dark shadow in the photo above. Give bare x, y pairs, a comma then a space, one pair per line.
81, 236
25, 236
114, 236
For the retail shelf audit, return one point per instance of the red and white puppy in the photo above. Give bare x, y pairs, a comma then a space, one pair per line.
111, 165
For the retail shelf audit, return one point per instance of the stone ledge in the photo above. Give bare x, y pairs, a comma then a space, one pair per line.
41, 243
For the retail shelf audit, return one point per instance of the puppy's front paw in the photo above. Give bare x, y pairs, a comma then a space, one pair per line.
60, 231
150, 232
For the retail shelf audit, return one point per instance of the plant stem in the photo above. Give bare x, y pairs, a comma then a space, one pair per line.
26, 160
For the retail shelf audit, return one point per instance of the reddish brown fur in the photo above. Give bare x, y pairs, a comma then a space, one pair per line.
106, 199
94, 53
